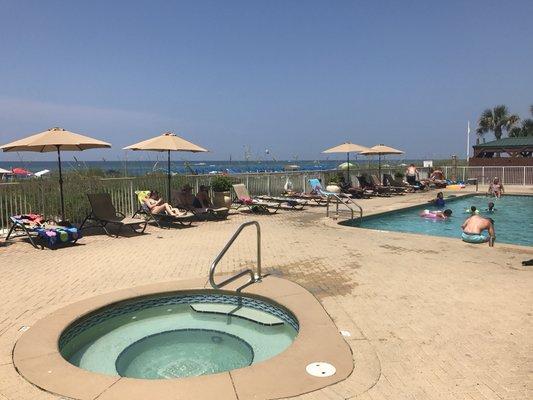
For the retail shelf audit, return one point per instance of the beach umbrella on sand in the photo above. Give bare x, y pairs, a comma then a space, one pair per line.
347, 148
168, 142
345, 165
4, 171
56, 139
380, 150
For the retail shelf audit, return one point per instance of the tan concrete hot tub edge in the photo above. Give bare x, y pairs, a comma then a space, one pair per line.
36, 354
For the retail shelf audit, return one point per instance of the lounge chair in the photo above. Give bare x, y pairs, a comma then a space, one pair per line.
162, 218
36, 230
316, 187
397, 183
287, 202
312, 199
104, 213
243, 198
391, 189
367, 184
199, 213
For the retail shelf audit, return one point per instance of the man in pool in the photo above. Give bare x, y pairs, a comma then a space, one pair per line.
473, 229
490, 207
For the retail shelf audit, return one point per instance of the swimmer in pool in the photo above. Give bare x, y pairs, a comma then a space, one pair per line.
490, 207
439, 201
473, 229
472, 210
436, 214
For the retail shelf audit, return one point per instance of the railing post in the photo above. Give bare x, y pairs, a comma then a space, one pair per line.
268, 184
482, 175
524, 180
464, 171
132, 205
503, 175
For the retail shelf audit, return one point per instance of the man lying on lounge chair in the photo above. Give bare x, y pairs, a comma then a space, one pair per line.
155, 204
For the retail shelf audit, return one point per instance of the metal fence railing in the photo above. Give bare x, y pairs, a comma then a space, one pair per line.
42, 195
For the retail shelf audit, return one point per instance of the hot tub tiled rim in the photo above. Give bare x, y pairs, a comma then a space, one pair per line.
41, 340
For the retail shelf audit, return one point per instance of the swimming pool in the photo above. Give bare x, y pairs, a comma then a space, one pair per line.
178, 336
513, 219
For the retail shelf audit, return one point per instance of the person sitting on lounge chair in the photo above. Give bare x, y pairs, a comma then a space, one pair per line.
437, 178
156, 206
202, 199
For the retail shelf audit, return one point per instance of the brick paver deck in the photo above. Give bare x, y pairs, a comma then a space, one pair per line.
430, 318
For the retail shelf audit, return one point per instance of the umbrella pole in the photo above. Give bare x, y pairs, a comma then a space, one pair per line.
348, 165
168, 173
379, 169
61, 185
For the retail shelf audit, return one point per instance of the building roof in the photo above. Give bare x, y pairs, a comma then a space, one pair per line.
508, 142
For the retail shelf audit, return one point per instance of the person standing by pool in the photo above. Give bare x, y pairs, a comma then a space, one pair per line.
412, 175
473, 229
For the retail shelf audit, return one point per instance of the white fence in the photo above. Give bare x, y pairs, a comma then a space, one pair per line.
42, 195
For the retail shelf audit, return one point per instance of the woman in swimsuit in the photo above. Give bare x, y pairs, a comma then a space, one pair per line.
156, 206
496, 188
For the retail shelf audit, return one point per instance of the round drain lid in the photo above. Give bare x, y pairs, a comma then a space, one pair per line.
321, 369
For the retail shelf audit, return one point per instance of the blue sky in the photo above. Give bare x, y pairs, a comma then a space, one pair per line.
295, 77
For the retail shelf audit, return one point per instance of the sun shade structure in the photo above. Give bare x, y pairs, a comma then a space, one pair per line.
4, 171
56, 139
168, 142
347, 147
380, 150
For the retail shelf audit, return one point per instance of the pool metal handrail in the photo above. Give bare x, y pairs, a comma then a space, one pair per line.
346, 201
254, 277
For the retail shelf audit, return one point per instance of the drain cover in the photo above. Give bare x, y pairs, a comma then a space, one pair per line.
320, 369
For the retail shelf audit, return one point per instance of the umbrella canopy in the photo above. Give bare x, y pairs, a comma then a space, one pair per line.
4, 171
55, 139
381, 150
20, 171
168, 142
347, 147
345, 166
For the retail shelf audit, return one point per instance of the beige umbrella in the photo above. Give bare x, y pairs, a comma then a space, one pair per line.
55, 139
347, 148
168, 142
381, 150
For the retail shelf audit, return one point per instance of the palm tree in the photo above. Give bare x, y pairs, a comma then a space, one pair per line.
526, 127
496, 120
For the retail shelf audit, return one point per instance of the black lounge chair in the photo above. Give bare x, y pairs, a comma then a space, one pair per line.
104, 213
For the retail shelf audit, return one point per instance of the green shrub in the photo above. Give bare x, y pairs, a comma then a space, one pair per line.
221, 183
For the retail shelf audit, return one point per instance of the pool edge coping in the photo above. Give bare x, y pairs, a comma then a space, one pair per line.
37, 359
510, 246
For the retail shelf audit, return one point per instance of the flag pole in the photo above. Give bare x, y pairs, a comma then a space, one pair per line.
468, 141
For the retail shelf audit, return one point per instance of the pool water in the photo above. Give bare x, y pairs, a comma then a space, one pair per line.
167, 337
513, 219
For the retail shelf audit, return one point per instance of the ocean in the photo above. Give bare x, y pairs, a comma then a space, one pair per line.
137, 168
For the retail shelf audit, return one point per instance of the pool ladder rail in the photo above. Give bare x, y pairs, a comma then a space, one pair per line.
254, 277
346, 202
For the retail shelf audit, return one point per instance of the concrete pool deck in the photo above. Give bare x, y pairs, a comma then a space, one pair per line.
428, 317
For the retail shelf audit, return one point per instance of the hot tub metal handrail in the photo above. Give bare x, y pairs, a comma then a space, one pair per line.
253, 277
346, 201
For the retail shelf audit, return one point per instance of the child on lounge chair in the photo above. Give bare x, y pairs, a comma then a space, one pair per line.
155, 204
